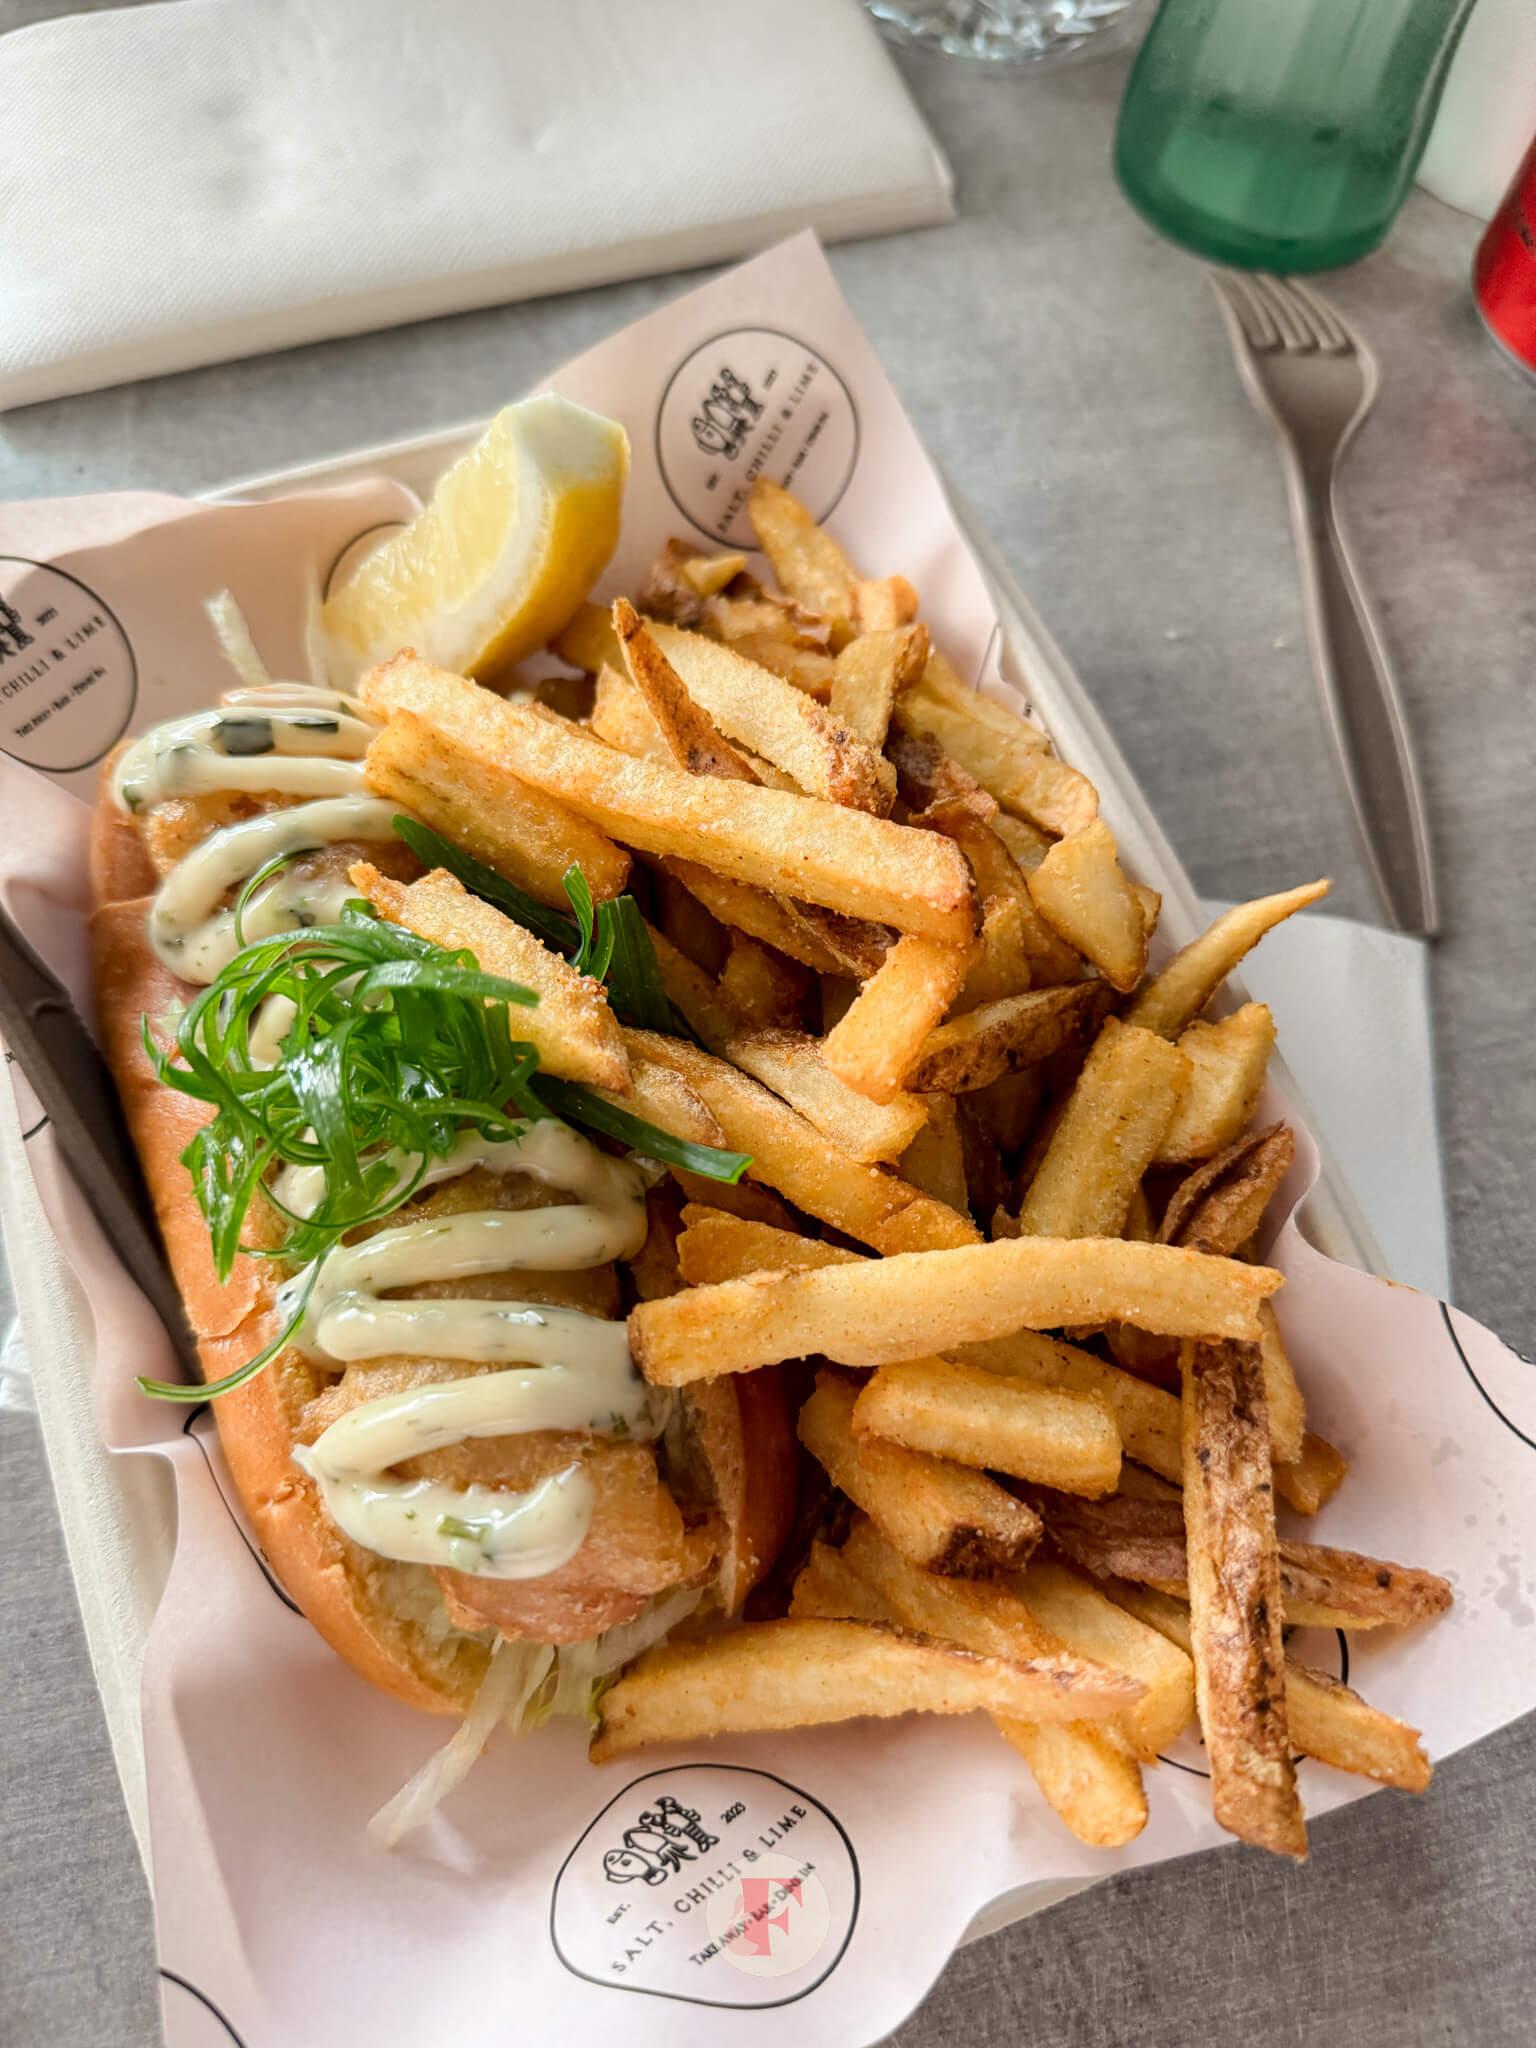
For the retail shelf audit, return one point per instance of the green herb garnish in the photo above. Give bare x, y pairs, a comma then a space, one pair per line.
393, 1049
468, 1532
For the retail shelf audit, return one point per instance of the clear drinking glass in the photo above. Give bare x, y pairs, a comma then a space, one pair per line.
1006, 32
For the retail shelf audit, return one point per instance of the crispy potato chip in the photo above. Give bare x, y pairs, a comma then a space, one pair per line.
1314, 1477
807, 668
935, 1157
767, 991
1146, 1416
1228, 1062
1080, 891
1078, 1616
978, 1418
1219, 1206
1177, 996
942, 1516
869, 675
827, 1589
885, 1028
691, 734
1127, 1094
884, 1310
520, 832
587, 640
717, 1246
1001, 966
576, 1033
1012, 762
806, 562
1287, 1409
768, 919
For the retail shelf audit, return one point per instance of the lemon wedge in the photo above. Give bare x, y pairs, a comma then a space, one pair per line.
511, 541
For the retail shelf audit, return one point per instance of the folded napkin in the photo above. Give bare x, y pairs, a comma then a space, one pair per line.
192, 181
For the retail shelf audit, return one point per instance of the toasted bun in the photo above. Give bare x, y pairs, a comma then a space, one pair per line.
368, 1609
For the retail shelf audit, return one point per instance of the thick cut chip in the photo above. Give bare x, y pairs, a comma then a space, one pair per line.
794, 846
520, 832
1228, 1062
1327, 1720
883, 1031
1234, 1597
577, 1035
1287, 1409
979, 1048
1146, 1416
802, 1674
1085, 1770
1013, 765
944, 1517
1080, 891
807, 563
792, 1065
716, 1246
768, 919
587, 640
1177, 996
692, 736
935, 1159
796, 1160
1078, 1616
663, 1098
1219, 1206
767, 991
622, 719
1060, 1439
750, 704
827, 1589
1313, 1478
1001, 967
808, 668
1130, 1088
909, 1306
870, 674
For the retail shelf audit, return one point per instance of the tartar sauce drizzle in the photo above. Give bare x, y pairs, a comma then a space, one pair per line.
576, 1372
290, 739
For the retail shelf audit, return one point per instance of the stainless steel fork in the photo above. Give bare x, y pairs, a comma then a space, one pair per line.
1315, 380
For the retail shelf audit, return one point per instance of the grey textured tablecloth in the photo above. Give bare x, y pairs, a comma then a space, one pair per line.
1070, 373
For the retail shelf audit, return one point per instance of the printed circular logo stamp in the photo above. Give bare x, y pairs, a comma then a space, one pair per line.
709, 1883
68, 679
754, 402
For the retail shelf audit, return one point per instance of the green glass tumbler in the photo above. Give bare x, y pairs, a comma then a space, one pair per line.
1282, 134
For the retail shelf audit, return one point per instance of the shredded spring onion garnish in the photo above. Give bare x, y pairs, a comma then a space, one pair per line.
393, 1046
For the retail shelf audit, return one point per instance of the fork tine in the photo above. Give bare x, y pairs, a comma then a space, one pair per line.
1333, 335
1233, 288
1289, 315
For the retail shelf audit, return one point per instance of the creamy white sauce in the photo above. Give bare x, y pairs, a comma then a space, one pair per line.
305, 743
197, 940
566, 1371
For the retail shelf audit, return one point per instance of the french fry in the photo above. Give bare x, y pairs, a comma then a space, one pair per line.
653, 1271
1287, 1409
665, 1099
806, 562
1234, 1598
1009, 1106
883, 1031
802, 1674
1064, 1440
767, 991
717, 1246
858, 947
1314, 1477
680, 579
1228, 1062
1024, 776
791, 1064
1027, 843
691, 734
1082, 894
795, 846
1085, 1770
881, 605
940, 681
782, 724
746, 1201
796, 1160
935, 1156
1116, 1117
987, 1183
1326, 1719
881, 1311
517, 830
1176, 997
1219, 1206
1001, 966
807, 668
974, 1050
622, 719
828, 1589
696, 994
942, 1516
577, 1035
768, 919
588, 641
870, 673
1077, 1616
1147, 1417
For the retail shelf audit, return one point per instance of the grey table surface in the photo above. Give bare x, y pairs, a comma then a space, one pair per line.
1070, 373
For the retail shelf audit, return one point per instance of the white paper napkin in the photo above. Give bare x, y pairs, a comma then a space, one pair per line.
188, 182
